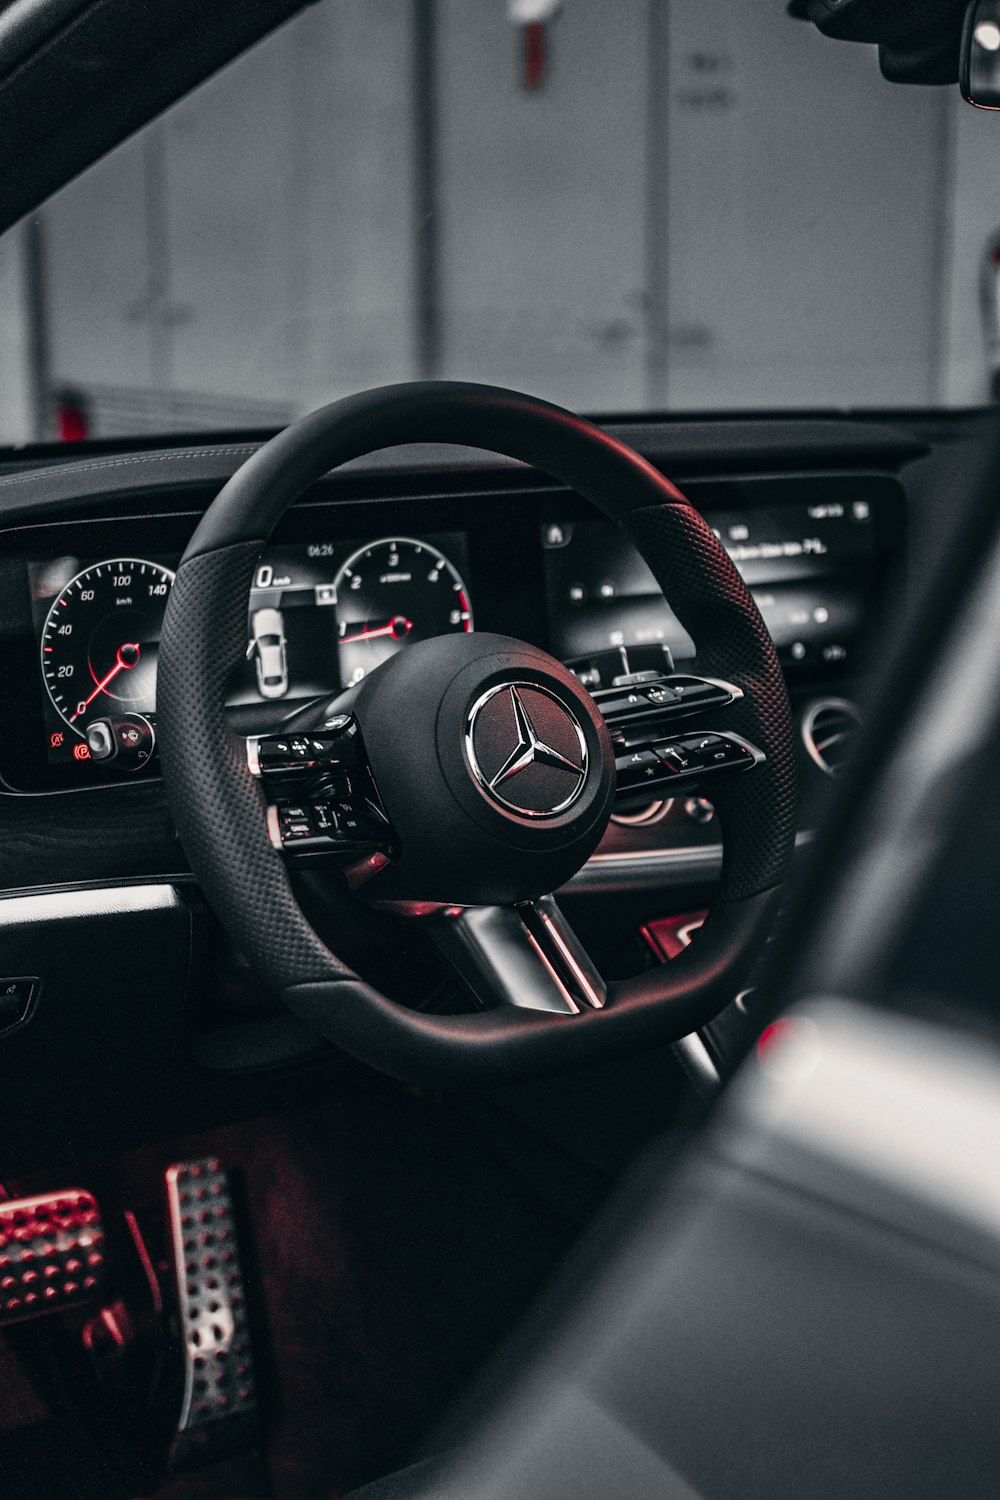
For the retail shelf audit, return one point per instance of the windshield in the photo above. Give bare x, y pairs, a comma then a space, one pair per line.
650, 206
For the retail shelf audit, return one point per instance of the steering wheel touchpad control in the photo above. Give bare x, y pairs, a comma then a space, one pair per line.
322, 799
650, 758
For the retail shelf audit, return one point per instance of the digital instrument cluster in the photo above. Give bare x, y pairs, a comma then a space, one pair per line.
330, 601
321, 615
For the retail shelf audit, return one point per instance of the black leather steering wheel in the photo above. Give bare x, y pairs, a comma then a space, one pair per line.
456, 840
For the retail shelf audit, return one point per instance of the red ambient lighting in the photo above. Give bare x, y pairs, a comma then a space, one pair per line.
777, 1031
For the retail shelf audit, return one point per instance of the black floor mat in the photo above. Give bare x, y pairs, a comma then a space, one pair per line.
393, 1251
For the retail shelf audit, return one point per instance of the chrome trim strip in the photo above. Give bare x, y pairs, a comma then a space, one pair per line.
758, 755
650, 814
274, 828
592, 996
685, 854
550, 969
73, 905
808, 724
97, 896
719, 682
178, 1258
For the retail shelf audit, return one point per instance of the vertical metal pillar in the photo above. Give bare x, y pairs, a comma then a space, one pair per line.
426, 229
37, 330
657, 205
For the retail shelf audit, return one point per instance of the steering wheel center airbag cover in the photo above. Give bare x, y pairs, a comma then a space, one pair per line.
527, 749
495, 768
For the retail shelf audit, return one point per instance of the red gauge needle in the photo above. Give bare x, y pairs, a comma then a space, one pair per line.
126, 657
398, 627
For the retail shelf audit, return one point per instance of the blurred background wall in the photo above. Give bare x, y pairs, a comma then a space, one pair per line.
651, 204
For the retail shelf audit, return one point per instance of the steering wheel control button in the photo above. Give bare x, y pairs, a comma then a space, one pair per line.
51, 1253
337, 746
637, 768
330, 805
219, 1403
622, 666
100, 740
527, 749
622, 705
295, 824
341, 825
673, 757
126, 743
631, 714
659, 695
684, 762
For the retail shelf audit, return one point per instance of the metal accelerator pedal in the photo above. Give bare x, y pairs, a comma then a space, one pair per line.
219, 1407
51, 1253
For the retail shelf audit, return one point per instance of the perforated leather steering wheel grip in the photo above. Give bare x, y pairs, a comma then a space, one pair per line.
219, 808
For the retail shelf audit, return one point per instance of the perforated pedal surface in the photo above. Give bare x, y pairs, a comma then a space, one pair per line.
218, 1362
51, 1253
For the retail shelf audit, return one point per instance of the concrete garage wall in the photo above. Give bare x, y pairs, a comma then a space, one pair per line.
805, 206
705, 205
291, 210
543, 202
249, 252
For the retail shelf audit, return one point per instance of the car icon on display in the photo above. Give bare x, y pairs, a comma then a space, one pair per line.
268, 647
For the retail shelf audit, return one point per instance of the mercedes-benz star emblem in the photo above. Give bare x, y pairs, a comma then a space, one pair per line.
526, 749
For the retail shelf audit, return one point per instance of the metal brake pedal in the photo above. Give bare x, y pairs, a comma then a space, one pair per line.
220, 1394
51, 1253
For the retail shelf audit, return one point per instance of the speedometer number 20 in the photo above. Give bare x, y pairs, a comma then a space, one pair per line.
101, 639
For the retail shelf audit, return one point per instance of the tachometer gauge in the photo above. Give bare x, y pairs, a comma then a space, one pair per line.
101, 639
394, 591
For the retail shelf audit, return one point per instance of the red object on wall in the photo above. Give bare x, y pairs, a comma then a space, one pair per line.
71, 422
535, 61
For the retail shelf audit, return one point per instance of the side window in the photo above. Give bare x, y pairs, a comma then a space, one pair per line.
660, 204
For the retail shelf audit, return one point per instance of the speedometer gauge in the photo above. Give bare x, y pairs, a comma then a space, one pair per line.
394, 591
101, 639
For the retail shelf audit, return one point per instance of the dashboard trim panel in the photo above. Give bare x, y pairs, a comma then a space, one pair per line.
125, 832
71, 903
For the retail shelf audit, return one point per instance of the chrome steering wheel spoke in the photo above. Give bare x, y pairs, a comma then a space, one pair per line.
526, 955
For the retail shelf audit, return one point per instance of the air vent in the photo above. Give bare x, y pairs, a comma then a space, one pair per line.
829, 729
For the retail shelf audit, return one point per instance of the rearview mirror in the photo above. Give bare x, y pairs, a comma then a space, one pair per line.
979, 76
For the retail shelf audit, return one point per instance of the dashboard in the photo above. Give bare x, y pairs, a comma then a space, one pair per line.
321, 615
346, 584
392, 548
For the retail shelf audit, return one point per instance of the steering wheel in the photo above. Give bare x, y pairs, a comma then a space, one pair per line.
484, 772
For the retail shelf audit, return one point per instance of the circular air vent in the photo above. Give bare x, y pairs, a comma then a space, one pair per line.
652, 812
829, 728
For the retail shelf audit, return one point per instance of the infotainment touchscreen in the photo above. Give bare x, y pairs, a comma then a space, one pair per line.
811, 565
